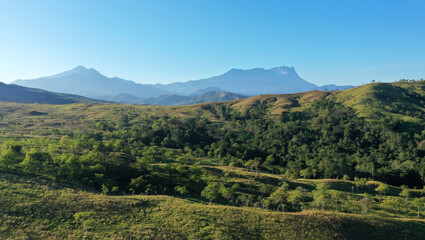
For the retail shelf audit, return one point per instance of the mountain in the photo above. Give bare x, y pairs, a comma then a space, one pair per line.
249, 82
90, 83
206, 90
174, 99
19, 94
213, 97
331, 87
124, 98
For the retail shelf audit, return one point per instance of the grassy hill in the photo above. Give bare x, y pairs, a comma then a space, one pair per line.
314, 165
401, 100
33, 208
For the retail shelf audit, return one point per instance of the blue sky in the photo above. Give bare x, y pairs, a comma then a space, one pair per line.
340, 42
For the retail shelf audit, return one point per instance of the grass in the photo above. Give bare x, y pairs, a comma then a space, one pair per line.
404, 101
32, 208
385, 99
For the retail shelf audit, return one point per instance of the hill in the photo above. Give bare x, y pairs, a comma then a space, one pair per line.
403, 101
90, 83
41, 209
19, 94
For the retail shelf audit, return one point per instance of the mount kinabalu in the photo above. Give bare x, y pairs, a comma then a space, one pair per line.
90, 83
251, 82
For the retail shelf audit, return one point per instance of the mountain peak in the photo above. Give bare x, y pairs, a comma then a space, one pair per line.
79, 68
283, 70
82, 69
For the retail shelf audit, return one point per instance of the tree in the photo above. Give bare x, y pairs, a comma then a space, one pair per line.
226, 193
393, 203
337, 197
405, 193
138, 185
11, 157
181, 189
382, 189
419, 203
321, 195
305, 173
245, 199
279, 196
366, 202
35, 161
211, 191
294, 197
360, 182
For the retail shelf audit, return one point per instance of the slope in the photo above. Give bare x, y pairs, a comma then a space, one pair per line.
90, 83
41, 209
248, 82
404, 101
19, 94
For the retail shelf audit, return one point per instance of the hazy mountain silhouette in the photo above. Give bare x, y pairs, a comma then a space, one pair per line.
90, 83
248, 82
174, 99
20, 94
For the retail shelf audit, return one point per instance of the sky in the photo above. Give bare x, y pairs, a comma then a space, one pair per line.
328, 41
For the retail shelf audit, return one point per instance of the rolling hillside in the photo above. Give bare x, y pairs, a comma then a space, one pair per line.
19, 94
401, 101
41, 209
311, 165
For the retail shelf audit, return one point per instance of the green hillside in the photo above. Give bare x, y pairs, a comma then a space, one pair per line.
400, 100
38, 209
314, 165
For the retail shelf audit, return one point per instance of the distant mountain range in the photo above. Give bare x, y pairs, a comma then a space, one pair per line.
173, 99
20, 94
248, 82
234, 84
90, 83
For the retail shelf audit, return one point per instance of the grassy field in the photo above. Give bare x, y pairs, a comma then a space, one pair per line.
33, 208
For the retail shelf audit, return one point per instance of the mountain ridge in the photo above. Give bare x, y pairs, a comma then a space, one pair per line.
90, 83
20, 94
176, 100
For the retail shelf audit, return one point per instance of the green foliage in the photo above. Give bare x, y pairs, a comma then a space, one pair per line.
211, 191
53, 211
382, 188
267, 140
